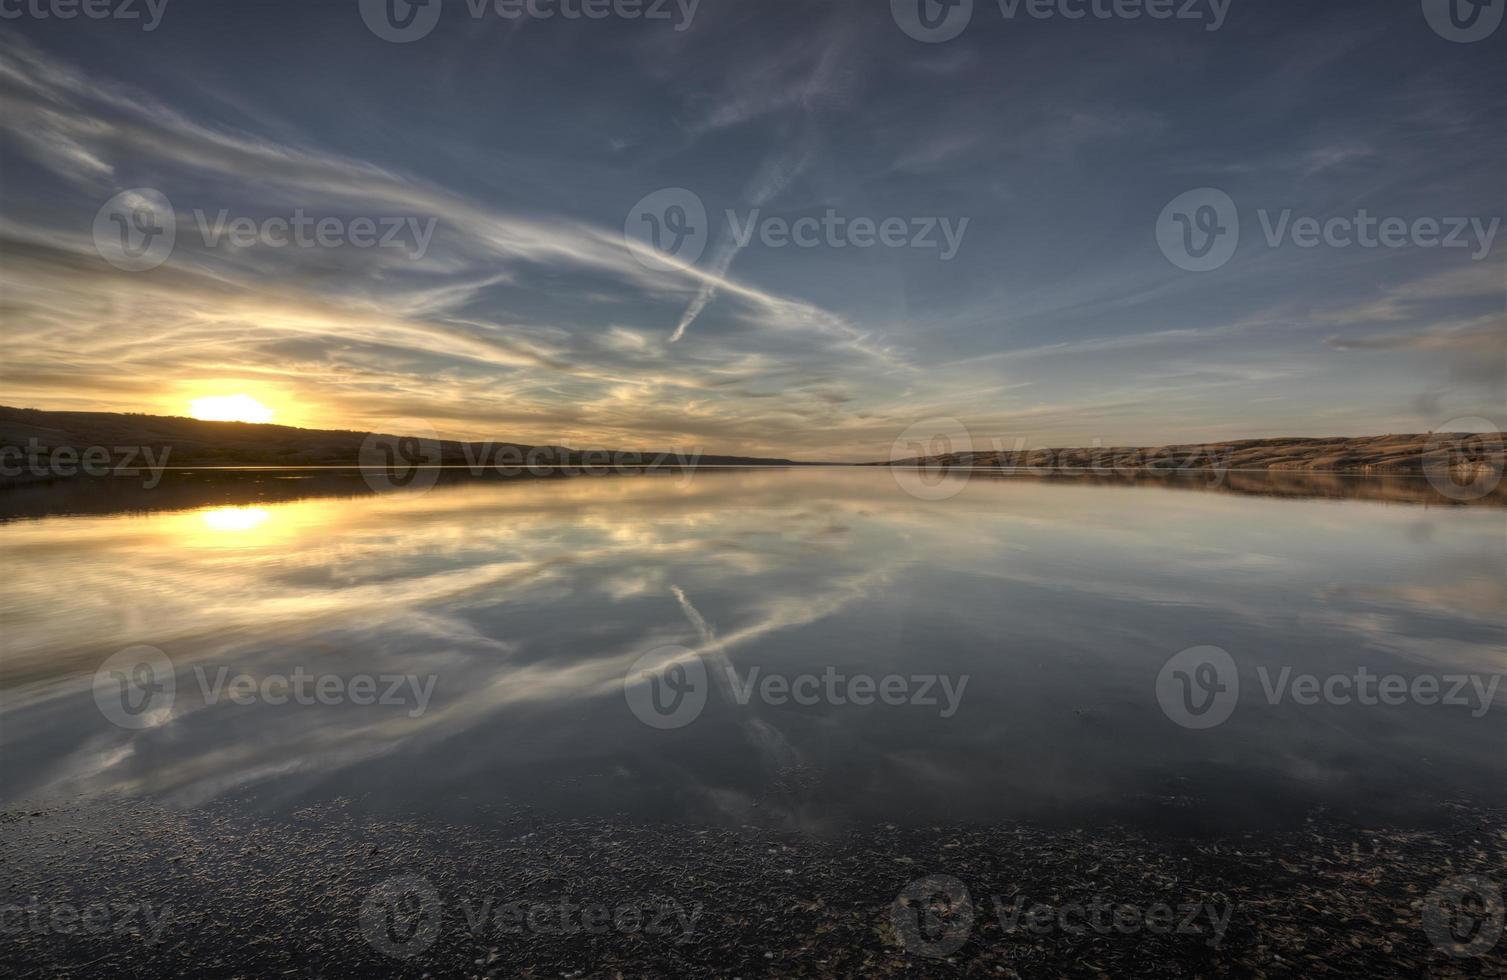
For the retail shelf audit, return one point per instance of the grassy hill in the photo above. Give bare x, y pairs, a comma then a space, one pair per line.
1461, 453
196, 443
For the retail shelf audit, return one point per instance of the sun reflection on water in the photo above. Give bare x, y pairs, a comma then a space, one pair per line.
235, 518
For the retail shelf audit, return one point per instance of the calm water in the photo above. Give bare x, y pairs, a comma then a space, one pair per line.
525, 604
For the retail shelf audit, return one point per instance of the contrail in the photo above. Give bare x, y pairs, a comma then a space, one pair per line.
711, 647
771, 179
777, 751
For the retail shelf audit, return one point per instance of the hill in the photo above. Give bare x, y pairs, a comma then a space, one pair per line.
1462, 454
192, 442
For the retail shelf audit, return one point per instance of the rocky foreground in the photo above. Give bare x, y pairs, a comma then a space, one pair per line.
1464, 456
134, 889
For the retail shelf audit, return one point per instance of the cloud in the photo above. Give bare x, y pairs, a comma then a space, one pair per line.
376, 333
527, 318
1481, 337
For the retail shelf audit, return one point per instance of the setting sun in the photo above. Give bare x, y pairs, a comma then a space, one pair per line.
229, 408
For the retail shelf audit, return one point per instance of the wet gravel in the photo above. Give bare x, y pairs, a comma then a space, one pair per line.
130, 888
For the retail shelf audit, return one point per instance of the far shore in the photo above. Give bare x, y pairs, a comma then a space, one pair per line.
1466, 455
41, 446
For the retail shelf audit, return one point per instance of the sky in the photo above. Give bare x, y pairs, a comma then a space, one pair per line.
1028, 227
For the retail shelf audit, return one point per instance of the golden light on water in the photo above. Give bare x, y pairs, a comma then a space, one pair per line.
234, 518
230, 408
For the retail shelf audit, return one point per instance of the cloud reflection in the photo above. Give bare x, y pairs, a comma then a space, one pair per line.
528, 601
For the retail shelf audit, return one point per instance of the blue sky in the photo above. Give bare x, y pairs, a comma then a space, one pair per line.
1050, 146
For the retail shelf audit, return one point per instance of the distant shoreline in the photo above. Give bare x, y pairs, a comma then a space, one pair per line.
49, 440
196, 487
1462, 455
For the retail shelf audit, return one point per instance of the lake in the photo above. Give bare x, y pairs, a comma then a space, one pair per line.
801, 649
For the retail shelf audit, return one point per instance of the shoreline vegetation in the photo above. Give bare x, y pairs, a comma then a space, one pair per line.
178, 441
192, 489
41, 446
1468, 455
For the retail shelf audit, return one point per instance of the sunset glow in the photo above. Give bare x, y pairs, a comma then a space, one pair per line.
230, 408
524, 310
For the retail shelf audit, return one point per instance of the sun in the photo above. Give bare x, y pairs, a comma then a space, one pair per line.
229, 408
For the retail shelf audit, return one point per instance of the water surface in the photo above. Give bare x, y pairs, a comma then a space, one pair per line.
526, 602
